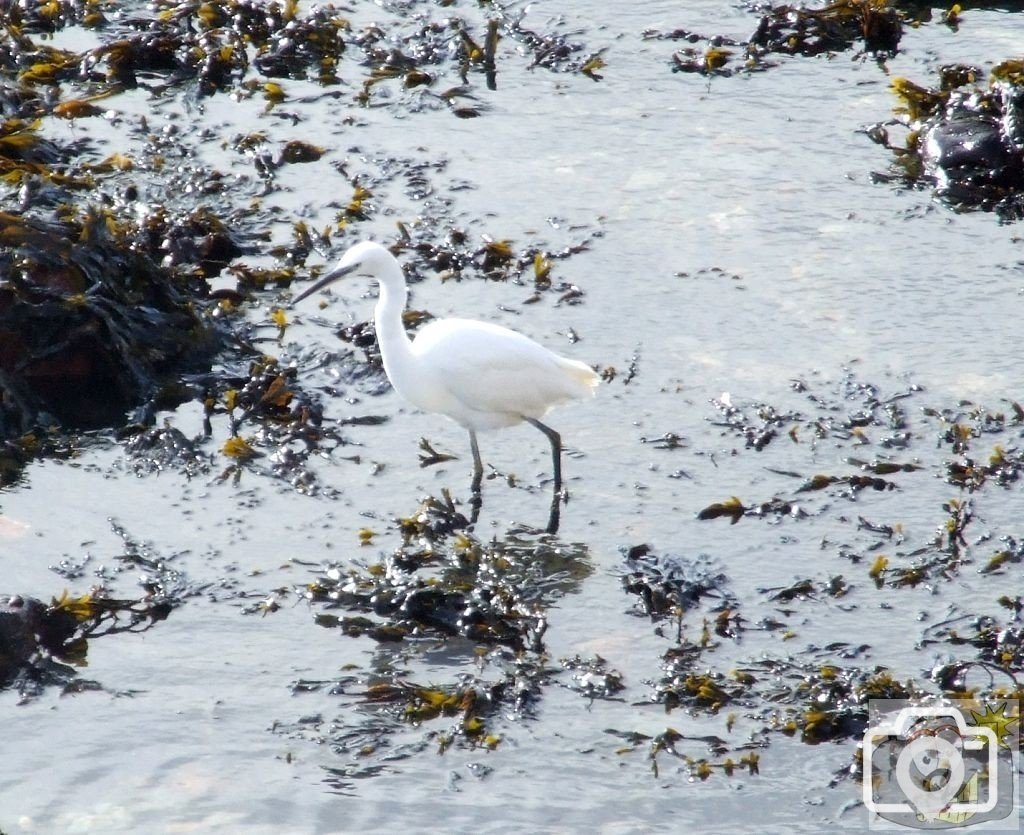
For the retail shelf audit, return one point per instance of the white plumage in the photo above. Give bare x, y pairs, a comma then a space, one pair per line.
484, 376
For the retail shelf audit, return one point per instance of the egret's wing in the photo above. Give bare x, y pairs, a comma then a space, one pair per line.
491, 369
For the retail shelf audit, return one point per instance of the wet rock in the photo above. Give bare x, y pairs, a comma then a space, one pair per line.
965, 139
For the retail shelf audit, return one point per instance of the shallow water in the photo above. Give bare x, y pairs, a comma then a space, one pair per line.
766, 178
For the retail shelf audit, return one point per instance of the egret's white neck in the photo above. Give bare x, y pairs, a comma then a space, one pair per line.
394, 342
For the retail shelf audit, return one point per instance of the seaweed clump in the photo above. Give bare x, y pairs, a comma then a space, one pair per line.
90, 327
444, 589
876, 26
796, 30
480, 594
41, 644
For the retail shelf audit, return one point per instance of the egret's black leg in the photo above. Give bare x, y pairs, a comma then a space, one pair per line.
475, 500
555, 514
556, 458
478, 465
556, 451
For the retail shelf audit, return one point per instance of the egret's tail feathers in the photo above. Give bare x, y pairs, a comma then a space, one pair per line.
582, 374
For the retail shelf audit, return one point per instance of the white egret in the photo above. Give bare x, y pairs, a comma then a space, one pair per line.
480, 375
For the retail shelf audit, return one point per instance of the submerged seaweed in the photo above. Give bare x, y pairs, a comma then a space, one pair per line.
822, 693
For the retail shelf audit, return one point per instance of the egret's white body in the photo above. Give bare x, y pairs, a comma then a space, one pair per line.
480, 375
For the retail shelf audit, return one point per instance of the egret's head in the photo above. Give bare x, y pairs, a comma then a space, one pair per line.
365, 258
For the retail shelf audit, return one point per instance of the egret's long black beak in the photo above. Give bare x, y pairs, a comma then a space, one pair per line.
330, 278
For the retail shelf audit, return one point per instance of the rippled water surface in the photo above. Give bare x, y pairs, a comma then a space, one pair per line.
738, 243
